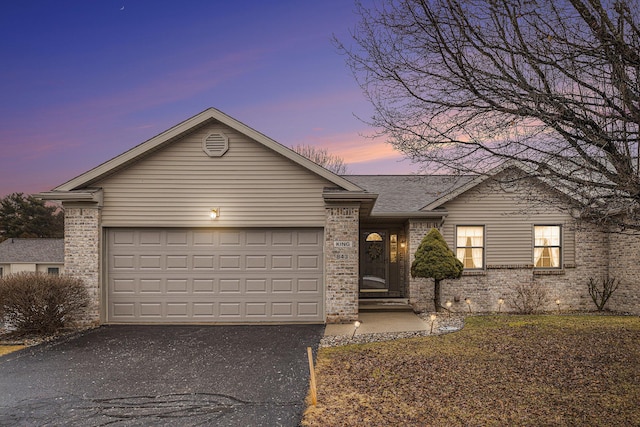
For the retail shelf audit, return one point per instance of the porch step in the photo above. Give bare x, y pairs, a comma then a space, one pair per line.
384, 304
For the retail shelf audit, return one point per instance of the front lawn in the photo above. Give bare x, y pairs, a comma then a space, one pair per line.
497, 371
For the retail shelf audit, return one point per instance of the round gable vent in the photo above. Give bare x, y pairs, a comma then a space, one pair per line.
215, 144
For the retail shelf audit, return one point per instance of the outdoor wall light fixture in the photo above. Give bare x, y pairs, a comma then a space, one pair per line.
356, 325
215, 213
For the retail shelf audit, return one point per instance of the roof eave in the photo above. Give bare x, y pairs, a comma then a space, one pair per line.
365, 200
411, 215
93, 195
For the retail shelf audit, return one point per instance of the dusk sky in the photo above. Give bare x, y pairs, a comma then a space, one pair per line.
83, 81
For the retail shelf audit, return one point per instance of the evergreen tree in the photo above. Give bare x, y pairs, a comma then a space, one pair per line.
434, 260
25, 216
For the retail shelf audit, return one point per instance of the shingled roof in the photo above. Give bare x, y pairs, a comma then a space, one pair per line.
42, 251
407, 193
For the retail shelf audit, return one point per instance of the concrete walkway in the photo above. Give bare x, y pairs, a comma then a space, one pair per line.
380, 322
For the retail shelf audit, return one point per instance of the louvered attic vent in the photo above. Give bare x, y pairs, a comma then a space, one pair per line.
215, 144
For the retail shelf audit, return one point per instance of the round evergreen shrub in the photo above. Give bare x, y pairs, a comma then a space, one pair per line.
434, 260
39, 303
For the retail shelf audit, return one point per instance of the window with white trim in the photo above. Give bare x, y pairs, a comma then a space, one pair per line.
547, 246
470, 246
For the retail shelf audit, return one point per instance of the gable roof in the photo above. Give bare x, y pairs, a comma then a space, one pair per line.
170, 135
473, 181
408, 193
41, 251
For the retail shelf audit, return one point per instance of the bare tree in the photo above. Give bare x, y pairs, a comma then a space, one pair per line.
464, 85
322, 157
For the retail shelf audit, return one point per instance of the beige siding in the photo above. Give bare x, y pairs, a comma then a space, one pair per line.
508, 218
179, 185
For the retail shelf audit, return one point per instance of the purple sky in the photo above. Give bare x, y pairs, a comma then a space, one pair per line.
83, 81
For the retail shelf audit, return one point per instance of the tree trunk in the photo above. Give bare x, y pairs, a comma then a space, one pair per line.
436, 295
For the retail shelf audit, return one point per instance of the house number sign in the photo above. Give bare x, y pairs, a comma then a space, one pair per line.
343, 244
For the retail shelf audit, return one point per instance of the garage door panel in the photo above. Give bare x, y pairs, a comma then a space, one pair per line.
192, 286
160, 275
240, 310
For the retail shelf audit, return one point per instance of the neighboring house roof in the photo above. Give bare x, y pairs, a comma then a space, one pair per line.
41, 251
408, 193
168, 136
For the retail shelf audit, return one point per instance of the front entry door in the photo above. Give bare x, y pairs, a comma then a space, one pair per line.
374, 274
380, 258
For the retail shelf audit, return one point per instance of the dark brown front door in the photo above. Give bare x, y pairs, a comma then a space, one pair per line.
379, 273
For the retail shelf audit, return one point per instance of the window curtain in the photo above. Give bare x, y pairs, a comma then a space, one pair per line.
546, 252
470, 246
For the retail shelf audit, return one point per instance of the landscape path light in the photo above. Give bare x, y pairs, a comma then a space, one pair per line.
500, 304
468, 301
448, 304
433, 319
355, 329
558, 304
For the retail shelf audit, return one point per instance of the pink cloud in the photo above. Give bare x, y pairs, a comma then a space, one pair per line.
362, 154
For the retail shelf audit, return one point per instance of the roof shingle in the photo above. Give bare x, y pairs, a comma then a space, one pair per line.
15, 250
407, 193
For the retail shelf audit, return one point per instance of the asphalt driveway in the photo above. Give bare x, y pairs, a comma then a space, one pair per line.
162, 375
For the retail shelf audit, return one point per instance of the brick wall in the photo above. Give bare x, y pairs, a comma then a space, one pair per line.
485, 288
625, 266
82, 253
341, 263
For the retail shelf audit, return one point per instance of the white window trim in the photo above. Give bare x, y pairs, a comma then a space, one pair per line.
560, 247
484, 245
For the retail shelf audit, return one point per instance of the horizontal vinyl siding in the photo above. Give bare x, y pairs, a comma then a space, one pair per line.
179, 184
508, 219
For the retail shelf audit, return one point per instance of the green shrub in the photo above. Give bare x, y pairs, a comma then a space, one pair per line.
434, 260
38, 303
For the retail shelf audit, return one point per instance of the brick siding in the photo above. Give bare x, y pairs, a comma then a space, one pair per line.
485, 288
82, 254
341, 264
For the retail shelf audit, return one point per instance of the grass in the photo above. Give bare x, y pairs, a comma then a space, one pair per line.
497, 371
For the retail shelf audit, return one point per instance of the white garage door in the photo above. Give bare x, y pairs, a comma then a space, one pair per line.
214, 275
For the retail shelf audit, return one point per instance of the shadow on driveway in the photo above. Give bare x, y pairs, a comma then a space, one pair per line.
162, 375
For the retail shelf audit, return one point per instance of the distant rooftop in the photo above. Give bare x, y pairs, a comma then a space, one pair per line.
407, 193
14, 250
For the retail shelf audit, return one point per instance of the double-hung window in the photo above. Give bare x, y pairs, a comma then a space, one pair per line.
470, 246
547, 246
